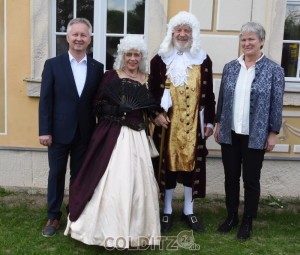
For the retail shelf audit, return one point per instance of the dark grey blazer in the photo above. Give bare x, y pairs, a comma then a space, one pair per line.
266, 101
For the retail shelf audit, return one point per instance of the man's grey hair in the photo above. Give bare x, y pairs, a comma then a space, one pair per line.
82, 21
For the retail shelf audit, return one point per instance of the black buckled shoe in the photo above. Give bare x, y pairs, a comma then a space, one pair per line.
245, 228
230, 222
166, 222
192, 221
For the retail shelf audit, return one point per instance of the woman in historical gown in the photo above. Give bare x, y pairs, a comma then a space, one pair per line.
114, 199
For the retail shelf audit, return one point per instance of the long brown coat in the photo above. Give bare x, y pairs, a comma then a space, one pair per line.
207, 99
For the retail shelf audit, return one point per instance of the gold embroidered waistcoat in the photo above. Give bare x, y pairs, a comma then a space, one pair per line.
184, 116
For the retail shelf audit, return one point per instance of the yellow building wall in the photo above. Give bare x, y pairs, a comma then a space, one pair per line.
2, 81
22, 118
176, 6
290, 131
288, 137
22, 111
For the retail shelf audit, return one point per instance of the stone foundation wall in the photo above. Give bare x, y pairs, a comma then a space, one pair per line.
28, 171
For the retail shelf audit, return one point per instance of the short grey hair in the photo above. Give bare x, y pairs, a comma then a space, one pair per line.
253, 27
82, 21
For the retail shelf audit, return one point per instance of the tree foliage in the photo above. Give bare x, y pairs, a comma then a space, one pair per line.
292, 25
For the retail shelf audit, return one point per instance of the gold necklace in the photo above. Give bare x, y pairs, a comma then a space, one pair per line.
130, 75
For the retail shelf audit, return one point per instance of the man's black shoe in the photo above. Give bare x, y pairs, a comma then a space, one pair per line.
192, 221
230, 222
245, 228
51, 227
166, 222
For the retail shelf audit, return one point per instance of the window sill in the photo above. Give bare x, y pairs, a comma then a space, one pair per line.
33, 87
292, 86
291, 95
291, 98
292, 90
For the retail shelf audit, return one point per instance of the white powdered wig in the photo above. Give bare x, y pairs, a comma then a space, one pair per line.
132, 42
182, 18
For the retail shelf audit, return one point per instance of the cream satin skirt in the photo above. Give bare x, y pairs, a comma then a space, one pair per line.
124, 209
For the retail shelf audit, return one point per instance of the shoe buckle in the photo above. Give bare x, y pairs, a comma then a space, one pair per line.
194, 219
165, 219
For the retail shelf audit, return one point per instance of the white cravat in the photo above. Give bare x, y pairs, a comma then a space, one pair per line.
177, 71
179, 62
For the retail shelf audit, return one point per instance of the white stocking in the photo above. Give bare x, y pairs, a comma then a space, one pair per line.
168, 201
188, 201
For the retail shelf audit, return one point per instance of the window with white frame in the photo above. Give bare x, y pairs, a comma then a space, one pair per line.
123, 17
111, 21
291, 42
65, 11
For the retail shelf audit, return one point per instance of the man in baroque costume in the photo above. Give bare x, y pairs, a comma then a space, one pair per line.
181, 81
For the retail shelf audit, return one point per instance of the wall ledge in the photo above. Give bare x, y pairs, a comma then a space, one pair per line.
291, 98
33, 87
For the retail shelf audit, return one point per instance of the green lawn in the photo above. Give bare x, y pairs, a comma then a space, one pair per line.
276, 231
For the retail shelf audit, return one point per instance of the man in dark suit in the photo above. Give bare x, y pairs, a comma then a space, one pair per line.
66, 119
